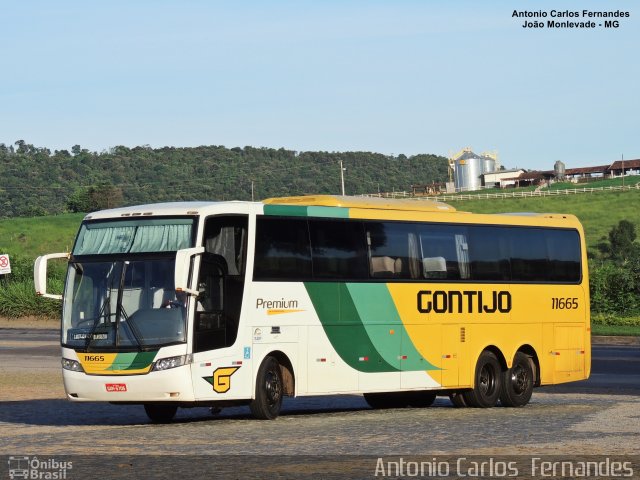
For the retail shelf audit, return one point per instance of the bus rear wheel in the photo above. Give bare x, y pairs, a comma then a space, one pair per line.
269, 390
158, 413
517, 384
487, 382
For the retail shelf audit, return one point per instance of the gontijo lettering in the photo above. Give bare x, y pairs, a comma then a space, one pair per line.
466, 301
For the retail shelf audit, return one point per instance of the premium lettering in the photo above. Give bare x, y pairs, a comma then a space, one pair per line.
282, 303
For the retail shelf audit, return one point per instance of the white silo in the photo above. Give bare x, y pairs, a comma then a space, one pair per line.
559, 170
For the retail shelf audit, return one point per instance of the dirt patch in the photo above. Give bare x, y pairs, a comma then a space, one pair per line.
16, 386
30, 322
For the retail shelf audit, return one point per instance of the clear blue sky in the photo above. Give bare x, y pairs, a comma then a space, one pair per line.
394, 76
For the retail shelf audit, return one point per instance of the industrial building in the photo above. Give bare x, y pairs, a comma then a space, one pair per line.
469, 171
466, 169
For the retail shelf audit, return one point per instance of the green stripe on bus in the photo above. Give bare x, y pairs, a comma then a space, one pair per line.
132, 360
304, 211
385, 328
286, 210
329, 212
344, 328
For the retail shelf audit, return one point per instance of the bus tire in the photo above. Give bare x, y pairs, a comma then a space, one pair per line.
487, 382
517, 384
421, 399
387, 400
269, 390
159, 413
457, 398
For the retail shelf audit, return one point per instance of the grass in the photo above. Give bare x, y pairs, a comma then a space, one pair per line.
608, 182
39, 235
616, 330
598, 212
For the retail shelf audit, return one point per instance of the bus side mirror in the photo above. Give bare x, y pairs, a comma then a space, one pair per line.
183, 266
40, 274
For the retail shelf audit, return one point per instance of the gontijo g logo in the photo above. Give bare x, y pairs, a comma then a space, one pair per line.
221, 379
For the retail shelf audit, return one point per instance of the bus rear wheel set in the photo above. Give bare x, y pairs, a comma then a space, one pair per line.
512, 387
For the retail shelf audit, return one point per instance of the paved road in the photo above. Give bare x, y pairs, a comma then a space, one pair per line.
597, 416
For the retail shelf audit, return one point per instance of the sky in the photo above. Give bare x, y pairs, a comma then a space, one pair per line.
392, 76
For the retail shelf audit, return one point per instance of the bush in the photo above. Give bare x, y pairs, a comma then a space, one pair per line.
608, 319
18, 299
614, 290
17, 293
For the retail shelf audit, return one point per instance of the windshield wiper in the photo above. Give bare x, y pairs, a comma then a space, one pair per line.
104, 313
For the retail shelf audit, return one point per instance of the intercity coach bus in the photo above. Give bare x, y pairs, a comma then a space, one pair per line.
241, 303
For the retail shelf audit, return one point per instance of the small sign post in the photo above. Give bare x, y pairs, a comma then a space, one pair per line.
5, 264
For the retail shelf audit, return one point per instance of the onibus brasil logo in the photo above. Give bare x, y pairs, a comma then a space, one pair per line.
35, 468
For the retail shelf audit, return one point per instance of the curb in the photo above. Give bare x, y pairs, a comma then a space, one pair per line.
614, 340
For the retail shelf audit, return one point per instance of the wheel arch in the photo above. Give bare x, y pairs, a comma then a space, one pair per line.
533, 355
497, 352
286, 367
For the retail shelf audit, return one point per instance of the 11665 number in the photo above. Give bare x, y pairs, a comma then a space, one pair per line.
564, 303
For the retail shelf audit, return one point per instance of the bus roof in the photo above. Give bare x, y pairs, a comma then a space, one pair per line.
362, 202
168, 208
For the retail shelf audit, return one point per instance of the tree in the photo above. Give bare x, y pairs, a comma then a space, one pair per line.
621, 238
97, 197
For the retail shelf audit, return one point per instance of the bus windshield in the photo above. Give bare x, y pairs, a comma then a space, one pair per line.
123, 304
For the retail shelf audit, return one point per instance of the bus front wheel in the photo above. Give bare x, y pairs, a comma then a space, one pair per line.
517, 385
457, 398
487, 382
160, 413
269, 390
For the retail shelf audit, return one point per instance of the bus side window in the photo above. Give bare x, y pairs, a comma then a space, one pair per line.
393, 250
338, 249
282, 249
489, 253
445, 242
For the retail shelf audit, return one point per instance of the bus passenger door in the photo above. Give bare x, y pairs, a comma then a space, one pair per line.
218, 371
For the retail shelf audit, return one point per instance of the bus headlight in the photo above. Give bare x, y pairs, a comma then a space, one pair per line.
171, 362
72, 365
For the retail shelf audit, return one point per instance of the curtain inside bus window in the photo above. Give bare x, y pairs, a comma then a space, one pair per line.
137, 236
161, 238
229, 243
462, 250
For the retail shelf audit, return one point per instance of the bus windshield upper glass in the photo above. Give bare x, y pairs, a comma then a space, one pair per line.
143, 235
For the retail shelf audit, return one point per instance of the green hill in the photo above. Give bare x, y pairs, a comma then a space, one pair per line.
598, 212
35, 182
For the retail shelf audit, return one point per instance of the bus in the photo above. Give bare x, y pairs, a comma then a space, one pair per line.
243, 303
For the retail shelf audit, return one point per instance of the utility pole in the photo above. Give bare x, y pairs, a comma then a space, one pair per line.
623, 171
342, 177
252, 190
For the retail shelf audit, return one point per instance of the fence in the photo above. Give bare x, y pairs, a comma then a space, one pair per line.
484, 196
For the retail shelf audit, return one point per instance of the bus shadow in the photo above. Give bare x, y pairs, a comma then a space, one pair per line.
61, 412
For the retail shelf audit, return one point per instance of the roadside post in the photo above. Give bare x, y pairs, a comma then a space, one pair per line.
5, 267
